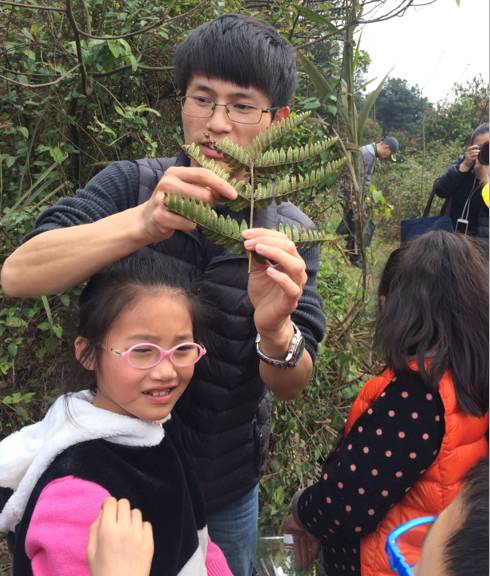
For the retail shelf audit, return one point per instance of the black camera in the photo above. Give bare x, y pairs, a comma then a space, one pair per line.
483, 154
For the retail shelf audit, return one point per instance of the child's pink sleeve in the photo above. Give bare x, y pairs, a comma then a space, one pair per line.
57, 537
216, 563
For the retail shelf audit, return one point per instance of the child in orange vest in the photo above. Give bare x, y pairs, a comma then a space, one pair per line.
418, 427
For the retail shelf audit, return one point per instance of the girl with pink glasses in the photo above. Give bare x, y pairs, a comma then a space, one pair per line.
137, 346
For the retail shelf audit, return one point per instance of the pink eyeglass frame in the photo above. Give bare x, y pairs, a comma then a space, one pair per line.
163, 353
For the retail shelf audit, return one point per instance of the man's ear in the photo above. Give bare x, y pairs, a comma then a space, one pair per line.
80, 345
282, 114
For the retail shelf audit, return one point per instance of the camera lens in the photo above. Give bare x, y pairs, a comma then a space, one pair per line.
483, 154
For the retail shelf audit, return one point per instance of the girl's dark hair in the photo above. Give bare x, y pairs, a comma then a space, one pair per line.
482, 129
437, 306
113, 289
242, 50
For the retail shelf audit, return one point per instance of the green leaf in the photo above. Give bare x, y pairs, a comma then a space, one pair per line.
24, 131
114, 47
316, 18
15, 322
321, 84
58, 155
368, 104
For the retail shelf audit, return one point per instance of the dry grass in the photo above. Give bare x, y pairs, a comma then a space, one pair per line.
5, 560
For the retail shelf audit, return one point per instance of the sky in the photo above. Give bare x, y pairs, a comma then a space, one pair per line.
432, 46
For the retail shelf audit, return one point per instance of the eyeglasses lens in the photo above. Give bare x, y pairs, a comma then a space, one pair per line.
200, 108
411, 542
147, 356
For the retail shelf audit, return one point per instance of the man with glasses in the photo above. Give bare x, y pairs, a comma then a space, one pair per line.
236, 76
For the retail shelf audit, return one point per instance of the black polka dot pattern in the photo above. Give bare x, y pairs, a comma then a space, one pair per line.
388, 449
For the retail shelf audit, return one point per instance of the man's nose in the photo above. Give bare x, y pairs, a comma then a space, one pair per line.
219, 120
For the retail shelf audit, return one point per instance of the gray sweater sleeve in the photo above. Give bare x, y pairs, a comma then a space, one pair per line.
112, 190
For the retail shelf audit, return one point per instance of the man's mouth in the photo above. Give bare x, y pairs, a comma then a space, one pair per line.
209, 150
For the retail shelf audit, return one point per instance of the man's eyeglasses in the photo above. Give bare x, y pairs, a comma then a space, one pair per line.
203, 107
404, 544
147, 355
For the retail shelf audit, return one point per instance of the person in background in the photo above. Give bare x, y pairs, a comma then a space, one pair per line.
461, 186
456, 541
236, 76
416, 429
383, 150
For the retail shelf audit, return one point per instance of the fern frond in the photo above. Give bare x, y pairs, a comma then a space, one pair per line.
222, 230
282, 157
302, 236
235, 156
274, 132
192, 150
289, 185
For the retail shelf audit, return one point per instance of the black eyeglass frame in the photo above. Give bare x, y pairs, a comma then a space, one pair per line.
182, 100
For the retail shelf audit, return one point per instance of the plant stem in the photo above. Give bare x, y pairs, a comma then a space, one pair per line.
252, 200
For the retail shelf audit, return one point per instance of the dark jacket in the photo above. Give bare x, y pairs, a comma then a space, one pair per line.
462, 191
226, 410
155, 479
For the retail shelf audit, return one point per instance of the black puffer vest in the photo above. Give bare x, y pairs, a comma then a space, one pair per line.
226, 409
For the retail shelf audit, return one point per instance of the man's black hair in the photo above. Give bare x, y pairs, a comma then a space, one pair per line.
242, 50
467, 549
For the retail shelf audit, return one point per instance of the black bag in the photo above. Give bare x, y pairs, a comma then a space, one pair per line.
413, 227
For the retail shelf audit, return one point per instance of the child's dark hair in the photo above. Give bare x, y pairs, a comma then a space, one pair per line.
467, 548
437, 306
242, 50
113, 289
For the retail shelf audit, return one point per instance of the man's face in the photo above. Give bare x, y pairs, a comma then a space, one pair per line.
432, 560
384, 151
205, 131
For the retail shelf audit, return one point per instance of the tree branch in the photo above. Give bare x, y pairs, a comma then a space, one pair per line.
45, 85
31, 6
83, 72
142, 30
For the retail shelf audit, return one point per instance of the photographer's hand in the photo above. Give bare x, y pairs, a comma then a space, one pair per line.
470, 155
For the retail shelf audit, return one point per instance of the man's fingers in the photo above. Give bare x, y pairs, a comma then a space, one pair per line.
201, 178
278, 241
288, 286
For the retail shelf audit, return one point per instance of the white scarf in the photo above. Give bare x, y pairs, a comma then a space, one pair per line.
26, 454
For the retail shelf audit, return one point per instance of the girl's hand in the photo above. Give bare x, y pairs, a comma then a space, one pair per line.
306, 546
120, 543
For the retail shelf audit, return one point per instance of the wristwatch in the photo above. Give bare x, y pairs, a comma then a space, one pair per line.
293, 355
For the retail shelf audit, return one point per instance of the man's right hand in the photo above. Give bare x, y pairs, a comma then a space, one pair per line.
470, 155
198, 183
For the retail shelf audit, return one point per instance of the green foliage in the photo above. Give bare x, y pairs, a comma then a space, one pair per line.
408, 184
305, 429
400, 108
455, 120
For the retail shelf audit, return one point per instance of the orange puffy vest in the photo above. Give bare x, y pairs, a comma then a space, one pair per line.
464, 444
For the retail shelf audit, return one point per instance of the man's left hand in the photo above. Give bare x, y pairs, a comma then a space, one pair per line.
275, 287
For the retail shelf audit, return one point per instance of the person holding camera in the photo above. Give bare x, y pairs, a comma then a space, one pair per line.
462, 186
